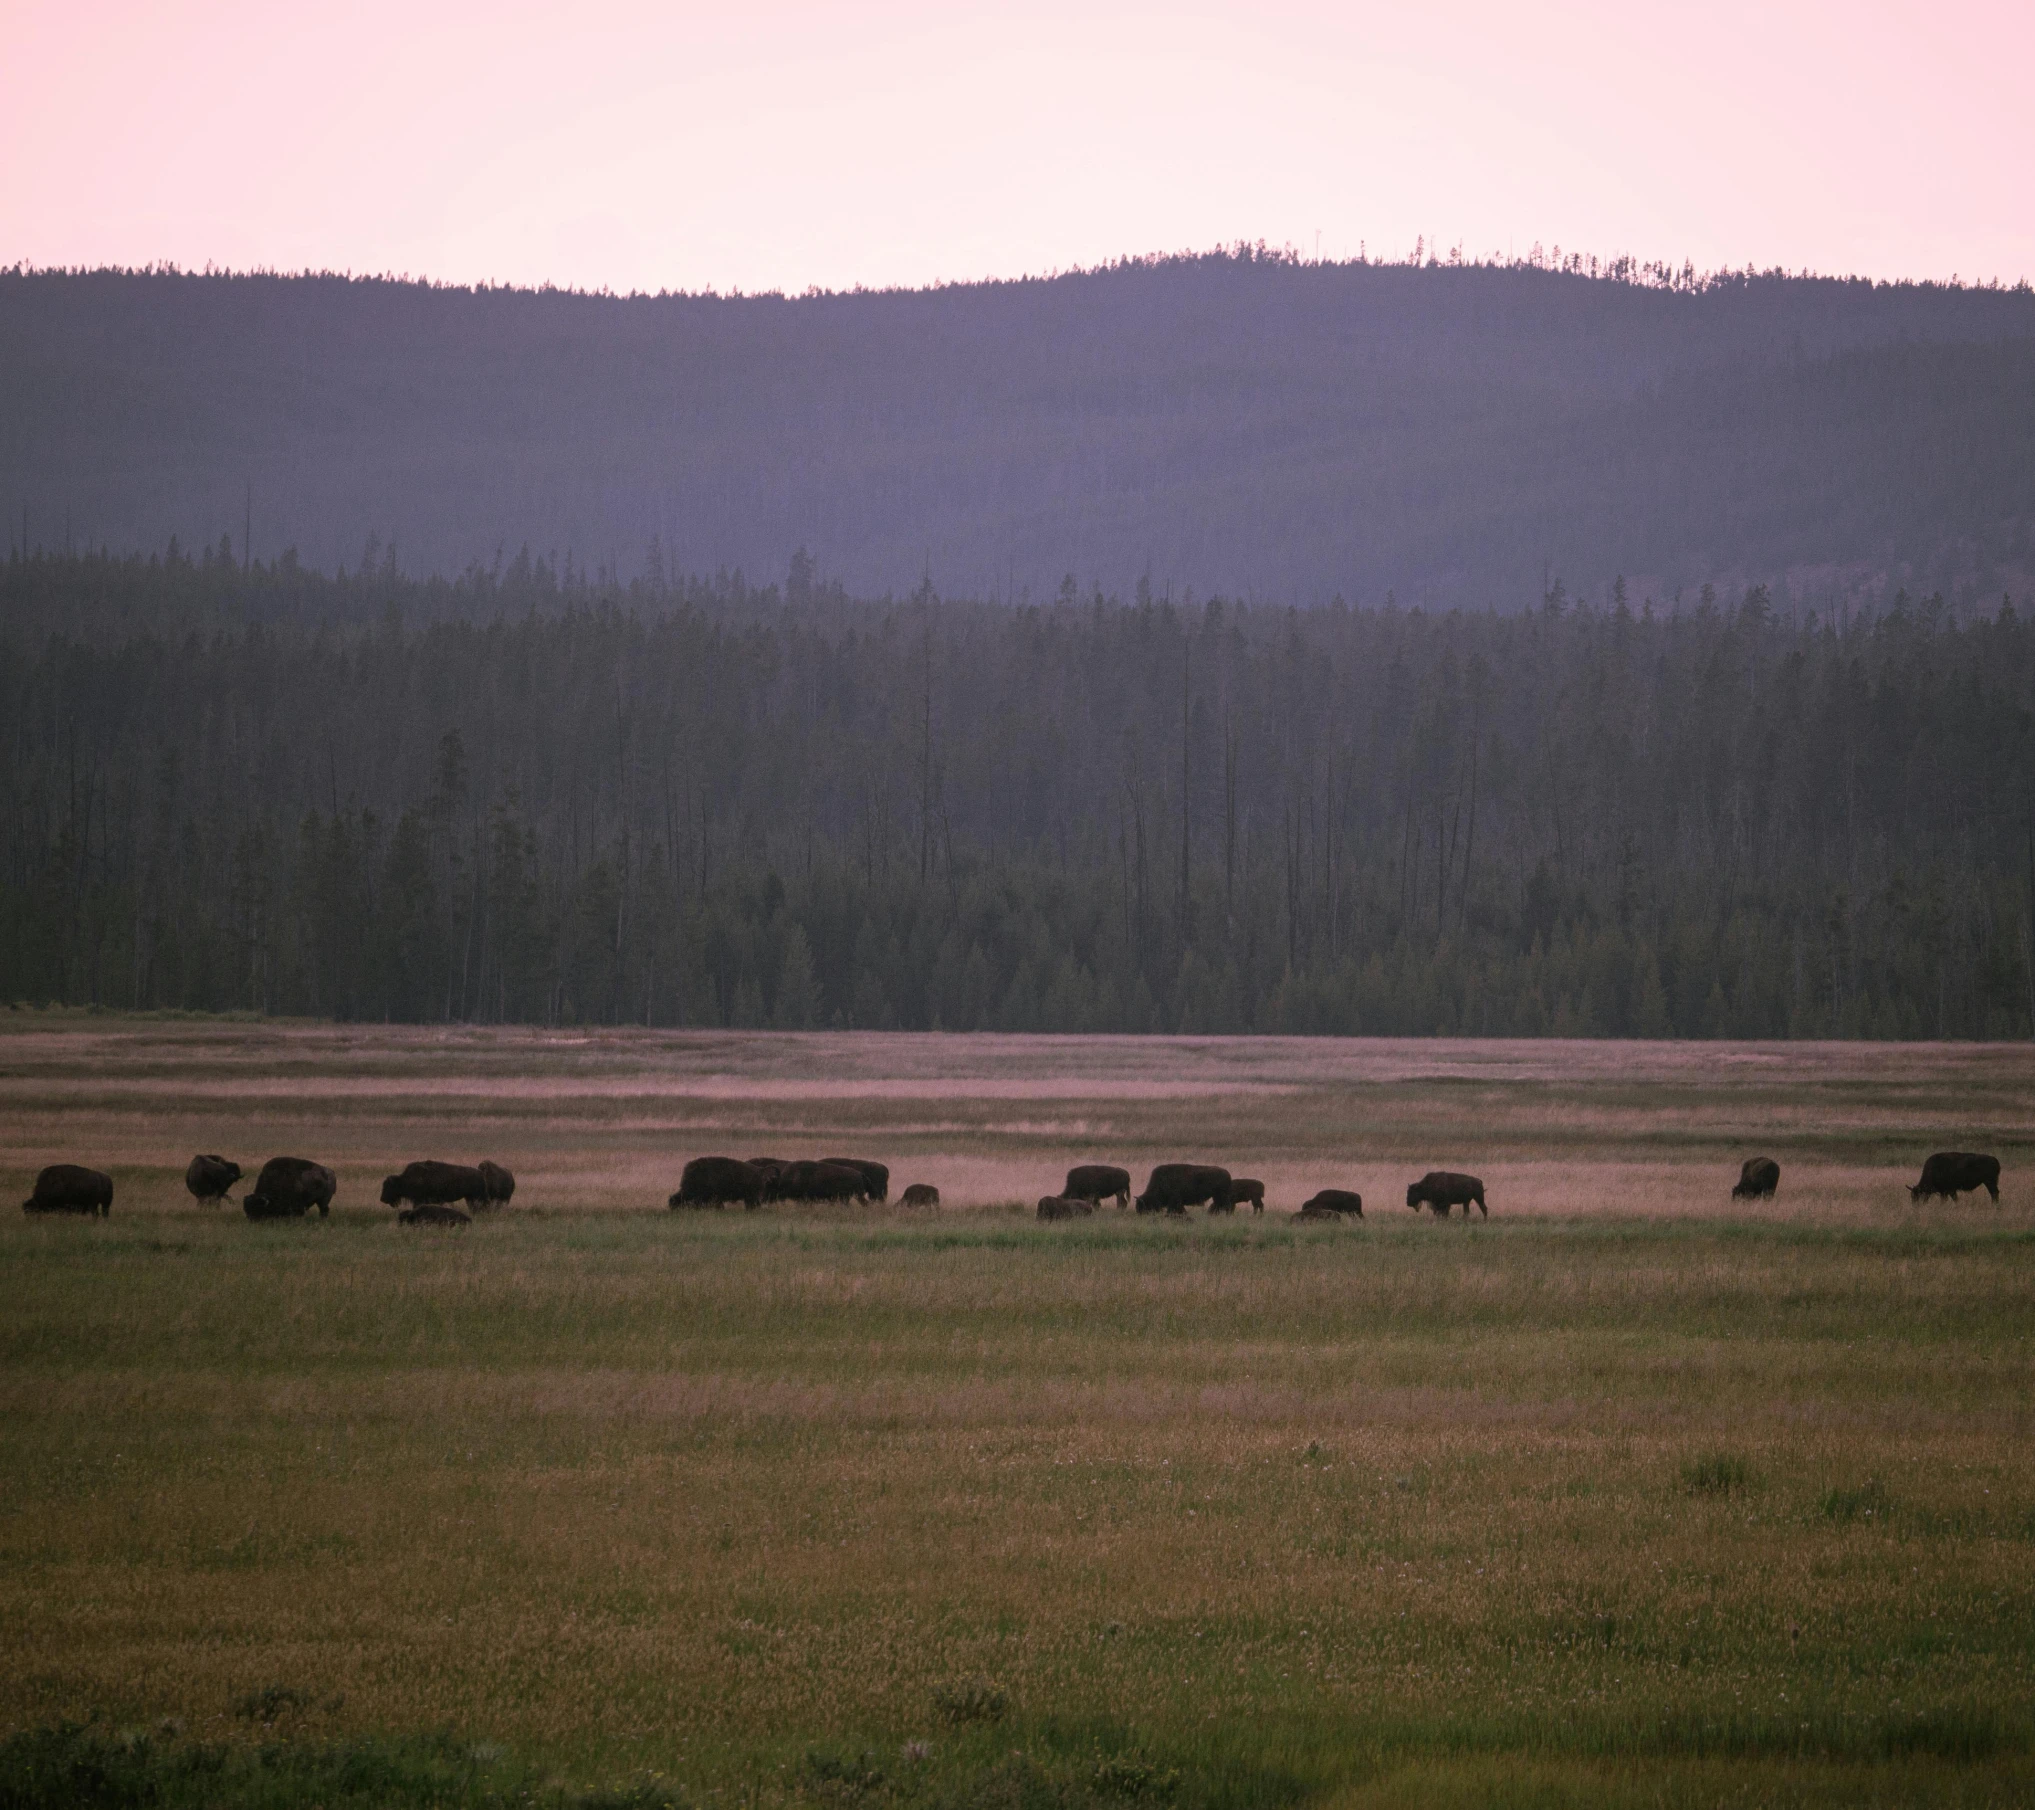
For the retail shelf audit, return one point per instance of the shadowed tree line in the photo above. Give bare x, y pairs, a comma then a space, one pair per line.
527, 796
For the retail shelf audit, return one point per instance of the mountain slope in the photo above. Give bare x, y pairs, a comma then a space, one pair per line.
1228, 423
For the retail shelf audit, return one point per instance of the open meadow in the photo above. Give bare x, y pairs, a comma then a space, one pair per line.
1630, 1495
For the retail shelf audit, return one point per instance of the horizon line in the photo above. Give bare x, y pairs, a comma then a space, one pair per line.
1624, 269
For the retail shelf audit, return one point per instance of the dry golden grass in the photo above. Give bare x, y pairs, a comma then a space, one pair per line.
1629, 1495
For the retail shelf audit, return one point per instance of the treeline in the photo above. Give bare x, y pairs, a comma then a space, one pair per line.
529, 796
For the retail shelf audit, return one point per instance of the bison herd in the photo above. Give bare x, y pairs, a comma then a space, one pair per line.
290, 1187
435, 1193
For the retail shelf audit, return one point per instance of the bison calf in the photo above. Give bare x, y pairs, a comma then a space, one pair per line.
1248, 1188
1058, 1206
71, 1188
434, 1213
1333, 1203
920, 1194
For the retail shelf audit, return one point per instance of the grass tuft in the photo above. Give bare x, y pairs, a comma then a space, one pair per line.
1716, 1474
1868, 1502
961, 1701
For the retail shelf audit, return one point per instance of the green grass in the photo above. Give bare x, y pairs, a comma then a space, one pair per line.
1573, 1507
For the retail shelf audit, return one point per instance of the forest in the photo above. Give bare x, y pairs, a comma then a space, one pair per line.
532, 795
1242, 421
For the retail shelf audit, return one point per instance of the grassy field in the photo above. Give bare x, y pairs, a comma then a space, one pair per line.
1629, 1496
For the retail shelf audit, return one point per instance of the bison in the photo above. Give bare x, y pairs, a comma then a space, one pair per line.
1248, 1188
1442, 1189
434, 1213
71, 1188
714, 1181
211, 1178
875, 1174
1174, 1187
920, 1194
1758, 1179
1098, 1182
288, 1187
1333, 1203
433, 1184
817, 1181
501, 1184
1950, 1173
1058, 1206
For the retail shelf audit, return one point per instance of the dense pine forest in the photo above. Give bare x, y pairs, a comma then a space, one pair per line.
534, 795
1241, 420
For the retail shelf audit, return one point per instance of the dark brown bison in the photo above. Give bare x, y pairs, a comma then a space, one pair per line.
1098, 1182
1333, 1203
875, 1174
1758, 1179
1248, 1188
1950, 1173
770, 1165
71, 1188
501, 1184
1442, 1189
920, 1194
1058, 1206
211, 1178
715, 1181
434, 1213
433, 1184
817, 1181
288, 1187
1174, 1187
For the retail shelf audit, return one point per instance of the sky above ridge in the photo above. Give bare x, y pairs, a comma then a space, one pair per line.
785, 144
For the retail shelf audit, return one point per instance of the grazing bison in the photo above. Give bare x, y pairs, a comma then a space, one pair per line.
1098, 1182
431, 1184
920, 1194
501, 1184
434, 1213
1058, 1206
210, 1178
817, 1181
1758, 1179
1333, 1203
875, 1174
288, 1187
1442, 1189
1248, 1188
70, 1188
714, 1181
1950, 1173
1174, 1187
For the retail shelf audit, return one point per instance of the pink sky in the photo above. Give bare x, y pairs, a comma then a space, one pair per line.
778, 145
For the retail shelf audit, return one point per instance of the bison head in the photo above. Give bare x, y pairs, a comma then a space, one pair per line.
392, 1190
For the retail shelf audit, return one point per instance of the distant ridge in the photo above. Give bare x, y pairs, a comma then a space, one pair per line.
1236, 422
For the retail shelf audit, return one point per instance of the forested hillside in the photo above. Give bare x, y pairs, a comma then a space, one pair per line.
1235, 422
681, 802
